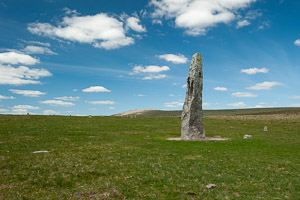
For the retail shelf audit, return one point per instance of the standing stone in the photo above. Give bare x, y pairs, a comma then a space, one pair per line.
265, 128
192, 115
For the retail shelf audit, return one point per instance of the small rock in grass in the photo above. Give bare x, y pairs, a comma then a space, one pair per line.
265, 128
190, 193
40, 152
247, 136
209, 186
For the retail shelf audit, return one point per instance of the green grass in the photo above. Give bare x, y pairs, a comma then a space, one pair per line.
249, 111
130, 158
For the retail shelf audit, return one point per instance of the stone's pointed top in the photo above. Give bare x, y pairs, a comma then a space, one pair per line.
197, 55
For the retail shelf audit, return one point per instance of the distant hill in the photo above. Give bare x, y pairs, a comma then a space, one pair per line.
177, 113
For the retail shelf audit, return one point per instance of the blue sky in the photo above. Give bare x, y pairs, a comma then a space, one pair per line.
104, 57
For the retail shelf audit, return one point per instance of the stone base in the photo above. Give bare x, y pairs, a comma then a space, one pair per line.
201, 139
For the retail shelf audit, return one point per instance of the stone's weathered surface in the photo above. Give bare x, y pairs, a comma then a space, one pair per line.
265, 128
192, 115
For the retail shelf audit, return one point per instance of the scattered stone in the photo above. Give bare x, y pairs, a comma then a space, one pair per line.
201, 139
265, 128
192, 114
27, 113
90, 116
247, 136
209, 186
40, 152
190, 193
78, 195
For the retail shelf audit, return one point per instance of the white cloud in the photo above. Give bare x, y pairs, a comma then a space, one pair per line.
176, 59
6, 97
111, 108
95, 89
206, 104
184, 86
50, 112
159, 76
74, 90
220, 88
17, 58
141, 95
242, 23
264, 85
47, 44
101, 102
238, 104
150, 69
243, 94
38, 50
65, 98
3, 110
27, 107
294, 97
21, 75
295, 104
57, 103
173, 104
254, 70
197, 16
133, 23
100, 30
28, 93
297, 42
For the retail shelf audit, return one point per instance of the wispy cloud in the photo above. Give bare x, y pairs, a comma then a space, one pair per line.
159, 76
96, 89
6, 97
101, 102
134, 24
294, 97
30, 49
264, 85
243, 94
254, 70
50, 112
238, 104
173, 104
150, 69
176, 59
70, 98
28, 93
220, 88
57, 103
242, 23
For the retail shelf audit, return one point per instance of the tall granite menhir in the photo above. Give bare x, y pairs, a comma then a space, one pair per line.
192, 114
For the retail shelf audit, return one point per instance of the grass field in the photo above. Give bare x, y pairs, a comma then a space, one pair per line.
130, 158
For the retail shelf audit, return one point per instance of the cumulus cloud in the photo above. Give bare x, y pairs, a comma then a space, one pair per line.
297, 42
173, 104
6, 97
197, 16
28, 93
220, 88
17, 58
57, 103
150, 69
176, 59
242, 23
264, 85
23, 109
21, 75
294, 97
96, 89
38, 50
159, 76
238, 104
101, 102
134, 24
3, 110
100, 30
65, 98
254, 70
243, 94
